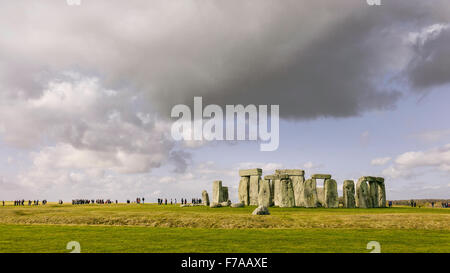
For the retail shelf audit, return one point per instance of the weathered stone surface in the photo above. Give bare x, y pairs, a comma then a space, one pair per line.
373, 194
257, 172
276, 191
320, 196
254, 189
298, 183
225, 194
331, 193
283, 176
348, 191
362, 194
286, 197
215, 205
292, 172
271, 177
369, 178
381, 193
237, 205
217, 196
205, 198
261, 210
225, 204
310, 192
380, 179
321, 176
264, 193
243, 192
272, 192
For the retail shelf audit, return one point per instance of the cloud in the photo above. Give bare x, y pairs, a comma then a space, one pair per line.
310, 61
415, 162
310, 165
380, 161
427, 68
432, 136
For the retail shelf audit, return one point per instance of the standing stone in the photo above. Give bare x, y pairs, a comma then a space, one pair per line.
244, 190
225, 194
362, 193
381, 192
217, 192
310, 193
264, 193
254, 189
272, 192
254, 176
320, 197
373, 193
205, 198
298, 182
331, 194
349, 194
287, 199
276, 191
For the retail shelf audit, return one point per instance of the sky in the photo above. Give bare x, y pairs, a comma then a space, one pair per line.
86, 93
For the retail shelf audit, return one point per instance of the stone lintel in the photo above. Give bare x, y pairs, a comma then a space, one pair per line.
250, 172
283, 176
321, 176
271, 177
380, 179
370, 178
291, 172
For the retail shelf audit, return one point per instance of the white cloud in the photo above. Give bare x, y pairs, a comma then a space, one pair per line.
380, 161
408, 164
433, 136
310, 165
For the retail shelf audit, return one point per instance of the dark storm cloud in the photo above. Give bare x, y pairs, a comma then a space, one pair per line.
314, 58
430, 66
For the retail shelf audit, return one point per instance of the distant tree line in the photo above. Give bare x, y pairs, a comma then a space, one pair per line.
421, 202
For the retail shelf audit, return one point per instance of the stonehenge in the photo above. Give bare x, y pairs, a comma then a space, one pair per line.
362, 194
217, 192
250, 189
244, 190
298, 180
327, 196
348, 192
381, 192
205, 198
288, 188
330, 193
310, 193
225, 194
285, 194
370, 192
264, 193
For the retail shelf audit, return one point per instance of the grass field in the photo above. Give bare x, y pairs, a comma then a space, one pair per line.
153, 228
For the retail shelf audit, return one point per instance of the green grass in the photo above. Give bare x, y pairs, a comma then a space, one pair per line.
152, 228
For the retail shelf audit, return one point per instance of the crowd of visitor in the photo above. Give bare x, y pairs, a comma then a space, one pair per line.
87, 201
29, 202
